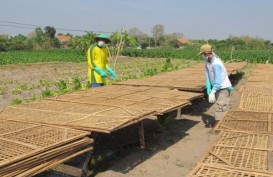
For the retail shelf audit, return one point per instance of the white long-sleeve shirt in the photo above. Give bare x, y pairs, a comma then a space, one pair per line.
217, 74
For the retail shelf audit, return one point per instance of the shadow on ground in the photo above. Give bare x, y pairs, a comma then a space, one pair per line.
200, 108
125, 142
110, 148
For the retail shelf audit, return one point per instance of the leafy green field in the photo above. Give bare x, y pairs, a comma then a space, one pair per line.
34, 56
73, 55
252, 56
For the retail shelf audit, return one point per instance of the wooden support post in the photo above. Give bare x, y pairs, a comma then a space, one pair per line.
141, 134
85, 167
178, 114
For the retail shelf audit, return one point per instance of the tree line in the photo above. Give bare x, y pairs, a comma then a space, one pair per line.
41, 39
38, 39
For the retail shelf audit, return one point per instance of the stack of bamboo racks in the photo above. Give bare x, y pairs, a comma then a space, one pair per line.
27, 149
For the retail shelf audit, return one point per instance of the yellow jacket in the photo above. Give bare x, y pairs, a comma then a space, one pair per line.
96, 57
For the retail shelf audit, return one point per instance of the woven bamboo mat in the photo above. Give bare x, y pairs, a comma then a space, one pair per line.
263, 69
161, 94
267, 85
188, 79
103, 119
257, 89
121, 104
254, 102
181, 84
261, 78
244, 140
128, 96
208, 170
180, 79
261, 73
41, 116
247, 121
103, 123
238, 158
235, 66
101, 93
103, 108
264, 66
7, 127
125, 92
241, 151
43, 136
47, 105
161, 107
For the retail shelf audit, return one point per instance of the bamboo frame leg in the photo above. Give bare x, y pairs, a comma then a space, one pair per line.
85, 167
141, 134
178, 113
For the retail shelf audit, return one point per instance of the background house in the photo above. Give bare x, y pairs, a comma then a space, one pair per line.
182, 42
64, 40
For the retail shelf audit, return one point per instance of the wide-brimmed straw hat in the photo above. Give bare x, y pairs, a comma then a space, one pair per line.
205, 48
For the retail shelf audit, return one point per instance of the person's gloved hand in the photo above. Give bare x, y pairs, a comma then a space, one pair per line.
112, 73
208, 87
100, 72
230, 89
212, 96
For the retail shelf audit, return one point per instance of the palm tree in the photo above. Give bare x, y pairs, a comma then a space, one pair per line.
120, 41
83, 42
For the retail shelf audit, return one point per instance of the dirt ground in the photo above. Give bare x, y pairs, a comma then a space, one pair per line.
171, 153
35, 76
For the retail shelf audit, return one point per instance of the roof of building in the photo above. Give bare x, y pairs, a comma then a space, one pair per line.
183, 41
63, 38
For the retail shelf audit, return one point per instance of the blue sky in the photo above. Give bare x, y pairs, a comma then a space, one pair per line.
196, 19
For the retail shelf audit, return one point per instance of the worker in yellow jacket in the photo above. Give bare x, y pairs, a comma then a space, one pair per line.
97, 62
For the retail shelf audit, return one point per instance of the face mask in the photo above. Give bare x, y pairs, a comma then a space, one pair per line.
205, 57
101, 44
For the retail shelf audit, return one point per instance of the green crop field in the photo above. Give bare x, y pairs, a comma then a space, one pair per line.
73, 55
34, 56
252, 56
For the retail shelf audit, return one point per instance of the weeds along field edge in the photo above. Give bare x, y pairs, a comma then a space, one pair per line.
26, 82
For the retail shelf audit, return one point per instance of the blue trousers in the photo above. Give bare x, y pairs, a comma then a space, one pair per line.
94, 85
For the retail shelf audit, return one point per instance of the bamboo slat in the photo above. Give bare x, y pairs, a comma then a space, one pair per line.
255, 102
246, 121
207, 170
244, 140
